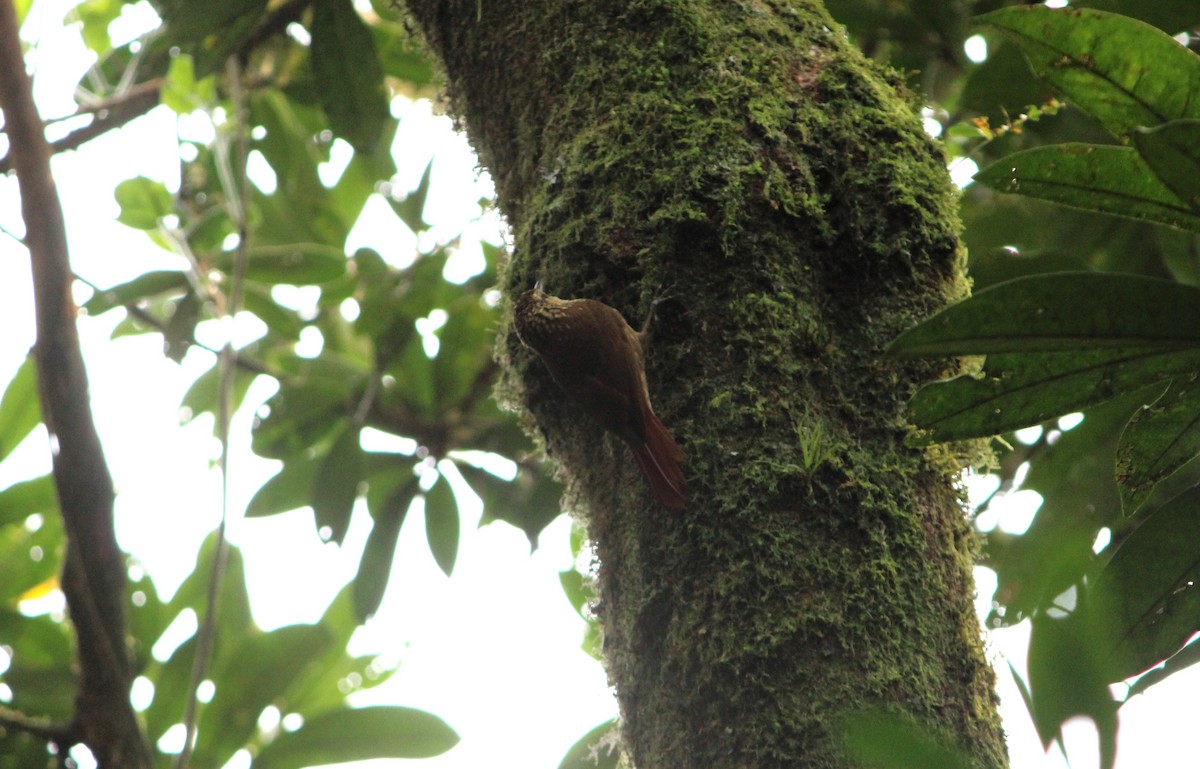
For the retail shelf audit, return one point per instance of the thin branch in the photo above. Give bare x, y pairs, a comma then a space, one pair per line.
93, 577
119, 110
231, 164
59, 733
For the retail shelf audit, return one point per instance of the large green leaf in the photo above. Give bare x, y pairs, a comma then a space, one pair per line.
1111, 180
287, 490
1173, 152
29, 559
348, 74
1067, 341
375, 568
1144, 605
1066, 679
233, 601
1062, 312
465, 352
1161, 438
244, 690
335, 484
1019, 390
202, 396
25, 498
299, 417
40, 676
411, 209
1123, 72
529, 502
296, 264
209, 24
354, 735
1073, 473
324, 684
20, 409
442, 525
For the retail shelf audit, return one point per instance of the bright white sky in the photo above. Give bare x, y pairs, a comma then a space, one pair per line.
494, 650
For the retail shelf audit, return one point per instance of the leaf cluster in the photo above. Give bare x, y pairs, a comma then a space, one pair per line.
298, 98
1083, 313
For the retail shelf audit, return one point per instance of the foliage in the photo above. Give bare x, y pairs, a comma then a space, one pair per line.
293, 84
1117, 345
1084, 308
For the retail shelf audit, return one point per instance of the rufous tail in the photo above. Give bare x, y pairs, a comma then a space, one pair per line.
660, 460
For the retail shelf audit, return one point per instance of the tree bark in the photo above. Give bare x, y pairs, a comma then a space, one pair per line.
748, 162
94, 568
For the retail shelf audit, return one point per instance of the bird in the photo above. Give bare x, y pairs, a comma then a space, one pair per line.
596, 357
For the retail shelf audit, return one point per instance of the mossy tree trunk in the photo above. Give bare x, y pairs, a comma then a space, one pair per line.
748, 162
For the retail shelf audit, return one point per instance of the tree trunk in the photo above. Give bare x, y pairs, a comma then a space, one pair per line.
745, 161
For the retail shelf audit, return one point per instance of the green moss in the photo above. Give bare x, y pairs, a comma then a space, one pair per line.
743, 158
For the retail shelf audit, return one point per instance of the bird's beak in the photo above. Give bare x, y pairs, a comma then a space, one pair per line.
537, 286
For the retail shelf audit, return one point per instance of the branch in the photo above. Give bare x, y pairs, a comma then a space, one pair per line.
63, 735
139, 99
108, 114
94, 568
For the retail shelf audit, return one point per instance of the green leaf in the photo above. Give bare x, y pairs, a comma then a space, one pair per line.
1160, 438
356, 735
1122, 72
181, 92
1187, 657
1074, 476
411, 209
189, 21
1172, 151
29, 560
398, 55
233, 600
1062, 312
529, 502
40, 676
598, 749
1144, 605
26, 498
299, 416
335, 484
442, 525
281, 320
202, 396
465, 354
143, 202
1016, 391
20, 408
289, 489
375, 568
95, 16
348, 74
298, 264
577, 590
1111, 180
180, 333
1066, 679
230, 720
144, 286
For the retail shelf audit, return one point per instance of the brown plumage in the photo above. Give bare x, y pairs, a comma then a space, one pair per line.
596, 357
